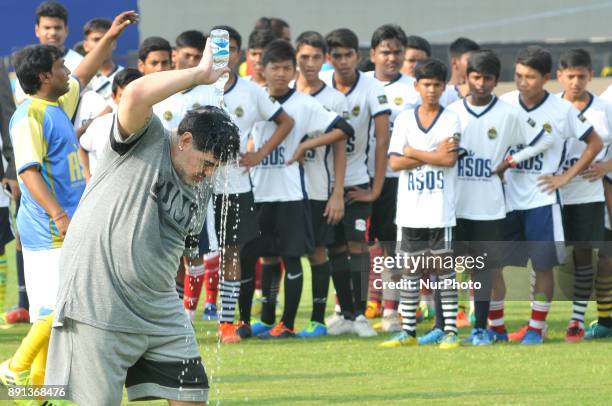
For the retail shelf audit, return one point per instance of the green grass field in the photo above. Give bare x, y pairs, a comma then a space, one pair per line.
354, 371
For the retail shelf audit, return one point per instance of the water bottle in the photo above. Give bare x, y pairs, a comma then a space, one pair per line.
219, 40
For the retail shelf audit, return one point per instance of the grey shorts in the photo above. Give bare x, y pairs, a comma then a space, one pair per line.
95, 363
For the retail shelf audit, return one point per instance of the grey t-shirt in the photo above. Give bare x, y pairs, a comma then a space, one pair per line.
120, 256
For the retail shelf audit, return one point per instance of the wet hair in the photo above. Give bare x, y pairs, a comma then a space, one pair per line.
387, 32
431, 69
124, 78
278, 50
275, 24
213, 131
461, 46
153, 44
52, 9
258, 39
97, 25
342, 38
233, 33
484, 61
312, 38
33, 60
576, 58
420, 43
536, 58
191, 39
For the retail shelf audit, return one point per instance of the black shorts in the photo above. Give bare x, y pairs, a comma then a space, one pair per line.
605, 251
353, 226
584, 224
6, 233
417, 241
484, 238
286, 230
382, 221
323, 232
241, 222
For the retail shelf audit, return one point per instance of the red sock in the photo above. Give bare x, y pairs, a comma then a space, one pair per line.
496, 316
375, 294
258, 275
211, 278
539, 311
194, 278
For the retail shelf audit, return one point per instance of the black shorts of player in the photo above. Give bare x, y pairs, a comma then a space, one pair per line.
584, 224
286, 229
6, 233
605, 251
187, 374
323, 232
480, 238
436, 241
353, 226
204, 244
241, 222
382, 221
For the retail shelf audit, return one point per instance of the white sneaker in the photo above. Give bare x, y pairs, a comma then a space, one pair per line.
391, 323
362, 328
333, 319
342, 326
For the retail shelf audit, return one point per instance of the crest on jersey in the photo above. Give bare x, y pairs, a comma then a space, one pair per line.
239, 111
531, 122
167, 115
492, 133
356, 110
398, 101
547, 127
196, 105
382, 99
345, 115
582, 118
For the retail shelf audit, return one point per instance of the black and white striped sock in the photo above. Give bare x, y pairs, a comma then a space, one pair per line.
583, 287
229, 292
409, 301
448, 296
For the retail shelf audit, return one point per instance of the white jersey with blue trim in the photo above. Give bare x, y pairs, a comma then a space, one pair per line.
171, 111
451, 94
401, 96
426, 194
247, 103
319, 162
487, 132
580, 190
559, 119
103, 85
273, 179
366, 99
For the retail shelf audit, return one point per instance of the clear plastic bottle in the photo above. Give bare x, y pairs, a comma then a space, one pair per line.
219, 40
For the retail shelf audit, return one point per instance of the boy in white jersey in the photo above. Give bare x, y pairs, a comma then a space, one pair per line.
367, 102
534, 215
459, 52
281, 201
583, 198
424, 148
326, 200
258, 39
387, 51
417, 50
489, 127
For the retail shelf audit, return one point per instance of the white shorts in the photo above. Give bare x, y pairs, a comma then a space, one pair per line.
41, 271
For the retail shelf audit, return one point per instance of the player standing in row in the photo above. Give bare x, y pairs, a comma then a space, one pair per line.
424, 148
326, 199
387, 51
258, 39
533, 221
349, 256
417, 50
582, 198
459, 52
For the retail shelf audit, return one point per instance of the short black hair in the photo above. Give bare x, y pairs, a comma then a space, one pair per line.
124, 78
461, 46
191, 39
365, 65
275, 24
484, 61
213, 131
387, 32
312, 38
33, 60
97, 25
536, 58
342, 38
233, 33
576, 58
52, 9
420, 43
431, 68
258, 39
152, 44
278, 50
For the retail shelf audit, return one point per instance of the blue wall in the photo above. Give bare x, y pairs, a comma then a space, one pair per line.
18, 20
